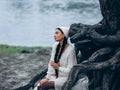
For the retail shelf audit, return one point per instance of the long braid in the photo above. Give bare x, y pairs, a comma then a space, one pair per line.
59, 53
63, 47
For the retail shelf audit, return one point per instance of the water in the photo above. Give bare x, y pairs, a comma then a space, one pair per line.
32, 22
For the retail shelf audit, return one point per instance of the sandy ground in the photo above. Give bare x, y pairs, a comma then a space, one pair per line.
18, 69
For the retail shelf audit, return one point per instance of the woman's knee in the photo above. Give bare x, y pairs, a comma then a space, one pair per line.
47, 85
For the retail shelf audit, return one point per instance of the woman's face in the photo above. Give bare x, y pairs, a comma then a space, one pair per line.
58, 36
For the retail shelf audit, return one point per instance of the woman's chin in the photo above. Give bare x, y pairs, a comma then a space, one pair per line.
56, 41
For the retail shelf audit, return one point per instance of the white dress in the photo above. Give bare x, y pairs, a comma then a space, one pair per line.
67, 60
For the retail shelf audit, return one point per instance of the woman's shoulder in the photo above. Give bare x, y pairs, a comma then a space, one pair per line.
71, 48
55, 44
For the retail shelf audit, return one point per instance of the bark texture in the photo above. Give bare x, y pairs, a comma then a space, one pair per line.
99, 45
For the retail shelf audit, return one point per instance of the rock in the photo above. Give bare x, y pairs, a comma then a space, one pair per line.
18, 69
43, 51
81, 84
26, 51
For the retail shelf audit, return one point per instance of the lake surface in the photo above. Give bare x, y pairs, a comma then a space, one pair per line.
32, 22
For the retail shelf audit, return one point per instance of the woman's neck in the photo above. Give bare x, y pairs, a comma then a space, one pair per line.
61, 43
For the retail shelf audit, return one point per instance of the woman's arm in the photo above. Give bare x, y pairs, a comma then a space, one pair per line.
71, 61
51, 70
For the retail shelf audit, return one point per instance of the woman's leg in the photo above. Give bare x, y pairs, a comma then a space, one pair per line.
47, 85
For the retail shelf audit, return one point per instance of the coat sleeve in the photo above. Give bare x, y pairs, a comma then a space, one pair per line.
71, 61
51, 70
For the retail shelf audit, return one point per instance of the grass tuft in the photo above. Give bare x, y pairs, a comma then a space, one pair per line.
7, 49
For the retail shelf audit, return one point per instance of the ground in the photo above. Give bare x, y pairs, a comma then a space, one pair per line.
19, 68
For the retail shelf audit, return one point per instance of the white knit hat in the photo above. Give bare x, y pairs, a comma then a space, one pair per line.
65, 30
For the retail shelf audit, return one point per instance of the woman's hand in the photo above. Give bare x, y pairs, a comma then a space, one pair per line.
54, 65
43, 81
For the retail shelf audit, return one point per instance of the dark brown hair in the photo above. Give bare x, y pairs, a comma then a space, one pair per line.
59, 52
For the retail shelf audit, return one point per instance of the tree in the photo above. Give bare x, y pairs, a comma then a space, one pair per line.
100, 48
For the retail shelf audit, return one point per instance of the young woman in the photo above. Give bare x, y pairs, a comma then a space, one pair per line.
62, 60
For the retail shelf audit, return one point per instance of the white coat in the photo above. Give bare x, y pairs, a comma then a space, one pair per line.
67, 60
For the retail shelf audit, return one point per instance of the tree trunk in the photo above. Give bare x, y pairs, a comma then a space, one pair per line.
99, 45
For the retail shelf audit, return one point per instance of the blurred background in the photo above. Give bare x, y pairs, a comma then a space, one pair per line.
32, 22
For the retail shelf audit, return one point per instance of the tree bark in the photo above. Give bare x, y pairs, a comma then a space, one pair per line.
99, 45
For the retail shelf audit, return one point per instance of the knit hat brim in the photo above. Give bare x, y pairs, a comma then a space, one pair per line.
65, 30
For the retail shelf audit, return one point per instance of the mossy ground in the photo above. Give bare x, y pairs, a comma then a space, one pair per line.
7, 49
